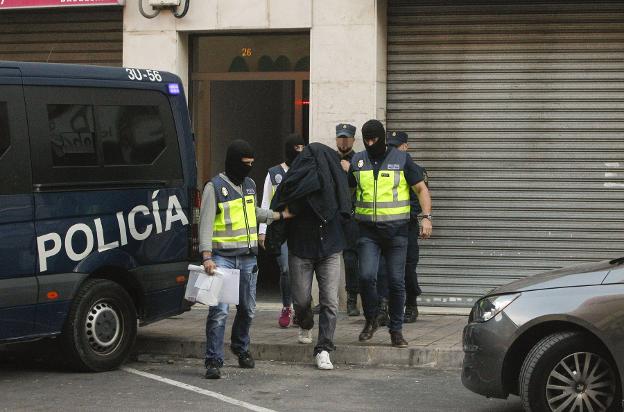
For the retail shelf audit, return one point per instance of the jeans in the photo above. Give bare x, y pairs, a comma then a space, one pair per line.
412, 289
394, 249
282, 261
382, 279
328, 277
245, 310
352, 276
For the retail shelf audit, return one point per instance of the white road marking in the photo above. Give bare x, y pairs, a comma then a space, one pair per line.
612, 164
613, 184
201, 391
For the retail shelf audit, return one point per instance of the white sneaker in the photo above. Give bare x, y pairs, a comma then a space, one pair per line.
305, 336
323, 362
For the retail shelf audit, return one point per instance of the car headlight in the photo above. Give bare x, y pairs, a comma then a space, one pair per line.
490, 306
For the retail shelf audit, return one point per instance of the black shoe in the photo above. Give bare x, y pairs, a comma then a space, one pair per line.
352, 309
213, 371
411, 313
397, 339
369, 330
383, 319
246, 361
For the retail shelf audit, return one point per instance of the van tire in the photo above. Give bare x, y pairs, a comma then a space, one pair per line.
547, 362
101, 327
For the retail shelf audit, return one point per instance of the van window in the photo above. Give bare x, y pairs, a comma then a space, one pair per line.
5, 140
101, 137
72, 135
131, 135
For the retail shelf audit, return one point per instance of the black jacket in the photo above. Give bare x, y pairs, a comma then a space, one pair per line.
315, 177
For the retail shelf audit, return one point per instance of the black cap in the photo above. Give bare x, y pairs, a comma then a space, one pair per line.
345, 129
396, 139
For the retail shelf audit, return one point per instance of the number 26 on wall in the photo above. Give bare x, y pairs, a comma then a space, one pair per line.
246, 52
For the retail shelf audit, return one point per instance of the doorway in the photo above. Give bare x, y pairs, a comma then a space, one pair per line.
244, 87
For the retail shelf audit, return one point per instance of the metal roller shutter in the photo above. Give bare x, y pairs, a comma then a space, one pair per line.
517, 112
77, 35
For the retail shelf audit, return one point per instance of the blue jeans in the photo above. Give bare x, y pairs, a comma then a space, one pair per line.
394, 249
412, 288
282, 261
245, 310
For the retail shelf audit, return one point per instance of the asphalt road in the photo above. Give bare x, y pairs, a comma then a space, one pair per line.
31, 383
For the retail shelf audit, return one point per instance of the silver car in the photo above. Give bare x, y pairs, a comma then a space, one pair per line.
555, 339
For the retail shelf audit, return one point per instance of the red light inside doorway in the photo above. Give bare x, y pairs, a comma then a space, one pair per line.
302, 102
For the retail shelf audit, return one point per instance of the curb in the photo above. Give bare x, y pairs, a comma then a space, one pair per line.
434, 358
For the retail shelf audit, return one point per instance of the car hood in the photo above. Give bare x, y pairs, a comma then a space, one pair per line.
580, 275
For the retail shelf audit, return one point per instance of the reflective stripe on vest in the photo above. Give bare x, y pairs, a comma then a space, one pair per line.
387, 198
235, 225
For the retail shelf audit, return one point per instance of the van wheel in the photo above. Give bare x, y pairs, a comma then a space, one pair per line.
567, 372
101, 326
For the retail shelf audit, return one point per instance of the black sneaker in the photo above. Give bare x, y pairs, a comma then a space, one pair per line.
411, 313
396, 337
213, 371
245, 360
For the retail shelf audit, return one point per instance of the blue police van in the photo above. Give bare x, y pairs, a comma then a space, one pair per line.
98, 206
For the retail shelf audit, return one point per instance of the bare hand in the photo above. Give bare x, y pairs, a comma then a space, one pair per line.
345, 165
426, 229
210, 267
261, 239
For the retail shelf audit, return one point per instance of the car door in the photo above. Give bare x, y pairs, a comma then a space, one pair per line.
18, 284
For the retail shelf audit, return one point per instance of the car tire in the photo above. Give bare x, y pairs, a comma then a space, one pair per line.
101, 327
550, 379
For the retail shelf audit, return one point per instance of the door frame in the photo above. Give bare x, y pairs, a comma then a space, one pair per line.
201, 83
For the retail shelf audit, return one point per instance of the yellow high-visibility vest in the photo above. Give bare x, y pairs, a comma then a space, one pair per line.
385, 198
235, 225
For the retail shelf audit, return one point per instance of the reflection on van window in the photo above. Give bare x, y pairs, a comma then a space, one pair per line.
131, 135
72, 135
5, 141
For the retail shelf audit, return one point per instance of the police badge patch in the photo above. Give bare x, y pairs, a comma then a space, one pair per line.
360, 163
224, 191
278, 179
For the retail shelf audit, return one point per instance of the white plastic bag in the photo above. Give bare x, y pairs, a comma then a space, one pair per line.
202, 288
222, 287
229, 289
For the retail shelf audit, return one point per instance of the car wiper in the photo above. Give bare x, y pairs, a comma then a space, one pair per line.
617, 261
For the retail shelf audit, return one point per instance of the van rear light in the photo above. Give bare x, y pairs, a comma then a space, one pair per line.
194, 232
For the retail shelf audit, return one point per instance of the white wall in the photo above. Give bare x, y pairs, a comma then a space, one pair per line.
348, 65
162, 42
347, 49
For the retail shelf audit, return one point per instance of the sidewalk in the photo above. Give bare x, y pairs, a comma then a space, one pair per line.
434, 340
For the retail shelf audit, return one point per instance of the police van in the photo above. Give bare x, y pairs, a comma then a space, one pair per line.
98, 206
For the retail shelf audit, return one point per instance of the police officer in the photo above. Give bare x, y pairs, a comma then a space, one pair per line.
293, 145
412, 289
228, 239
345, 137
382, 177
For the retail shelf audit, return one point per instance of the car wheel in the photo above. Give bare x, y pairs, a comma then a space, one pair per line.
566, 372
101, 326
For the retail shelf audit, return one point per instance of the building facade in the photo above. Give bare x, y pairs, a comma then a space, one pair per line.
516, 109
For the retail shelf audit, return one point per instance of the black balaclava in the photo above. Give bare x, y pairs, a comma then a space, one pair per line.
289, 148
374, 128
235, 169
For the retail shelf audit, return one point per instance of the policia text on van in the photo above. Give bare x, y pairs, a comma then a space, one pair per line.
97, 186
